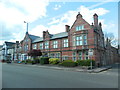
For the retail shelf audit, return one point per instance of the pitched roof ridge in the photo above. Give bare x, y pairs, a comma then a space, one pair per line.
34, 35
9, 42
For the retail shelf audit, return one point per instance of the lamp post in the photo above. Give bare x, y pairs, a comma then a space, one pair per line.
26, 33
26, 26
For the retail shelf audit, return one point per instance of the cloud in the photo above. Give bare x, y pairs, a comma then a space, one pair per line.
38, 30
54, 21
57, 7
57, 24
14, 12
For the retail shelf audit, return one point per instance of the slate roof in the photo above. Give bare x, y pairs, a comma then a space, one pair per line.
52, 36
33, 37
9, 43
38, 40
59, 35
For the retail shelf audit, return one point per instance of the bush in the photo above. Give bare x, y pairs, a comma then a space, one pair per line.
23, 61
85, 62
54, 61
28, 61
68, 63
36, 60
44, 60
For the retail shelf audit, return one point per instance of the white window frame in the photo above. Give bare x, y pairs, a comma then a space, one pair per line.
65, 43
27, 47
74, 56
81, 27
55, 44
46, 44
86, 55
35, 46
78, 40
41, 45
80, 55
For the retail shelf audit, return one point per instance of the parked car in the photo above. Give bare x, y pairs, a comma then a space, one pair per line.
19, 62
9, 61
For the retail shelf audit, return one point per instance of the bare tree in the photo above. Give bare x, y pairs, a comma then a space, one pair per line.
112, 38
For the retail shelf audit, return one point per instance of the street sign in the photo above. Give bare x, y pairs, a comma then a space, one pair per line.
90, 52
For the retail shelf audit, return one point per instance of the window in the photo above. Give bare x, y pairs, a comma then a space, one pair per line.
27, 47
55, 55
78, 28
20, 48
65, 58
80, 55
84, 39
78, 40
51, 55
35, 46
46, 45
41, 45
81, 40
74, 56
86, 55
73, 41
55, 44
65, 43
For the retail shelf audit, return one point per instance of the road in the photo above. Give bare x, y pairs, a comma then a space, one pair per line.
30, 76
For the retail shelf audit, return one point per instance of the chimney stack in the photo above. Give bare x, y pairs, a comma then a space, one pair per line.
44, 32
95, 16
67, 28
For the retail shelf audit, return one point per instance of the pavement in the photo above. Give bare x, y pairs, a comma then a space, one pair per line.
77, 69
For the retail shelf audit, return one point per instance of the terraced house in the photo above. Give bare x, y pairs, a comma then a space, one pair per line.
73, 44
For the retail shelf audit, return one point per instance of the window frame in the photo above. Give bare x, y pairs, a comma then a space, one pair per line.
34, 46
78, 40
46, 44
65, 43
41, 45
55, 44
80, 27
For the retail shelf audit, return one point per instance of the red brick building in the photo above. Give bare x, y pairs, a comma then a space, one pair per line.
73, 44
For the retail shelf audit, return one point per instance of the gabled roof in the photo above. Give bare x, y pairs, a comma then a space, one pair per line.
52, 36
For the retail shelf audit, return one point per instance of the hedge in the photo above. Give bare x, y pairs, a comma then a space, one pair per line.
36, 60
28, 61
68, 63
85, 62
44, 60
54, 61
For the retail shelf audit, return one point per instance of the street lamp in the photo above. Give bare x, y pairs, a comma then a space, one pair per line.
26, 33
26, 26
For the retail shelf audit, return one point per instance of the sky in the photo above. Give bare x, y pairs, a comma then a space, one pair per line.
51, 15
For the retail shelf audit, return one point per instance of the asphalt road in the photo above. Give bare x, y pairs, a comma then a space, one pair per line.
26, 76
